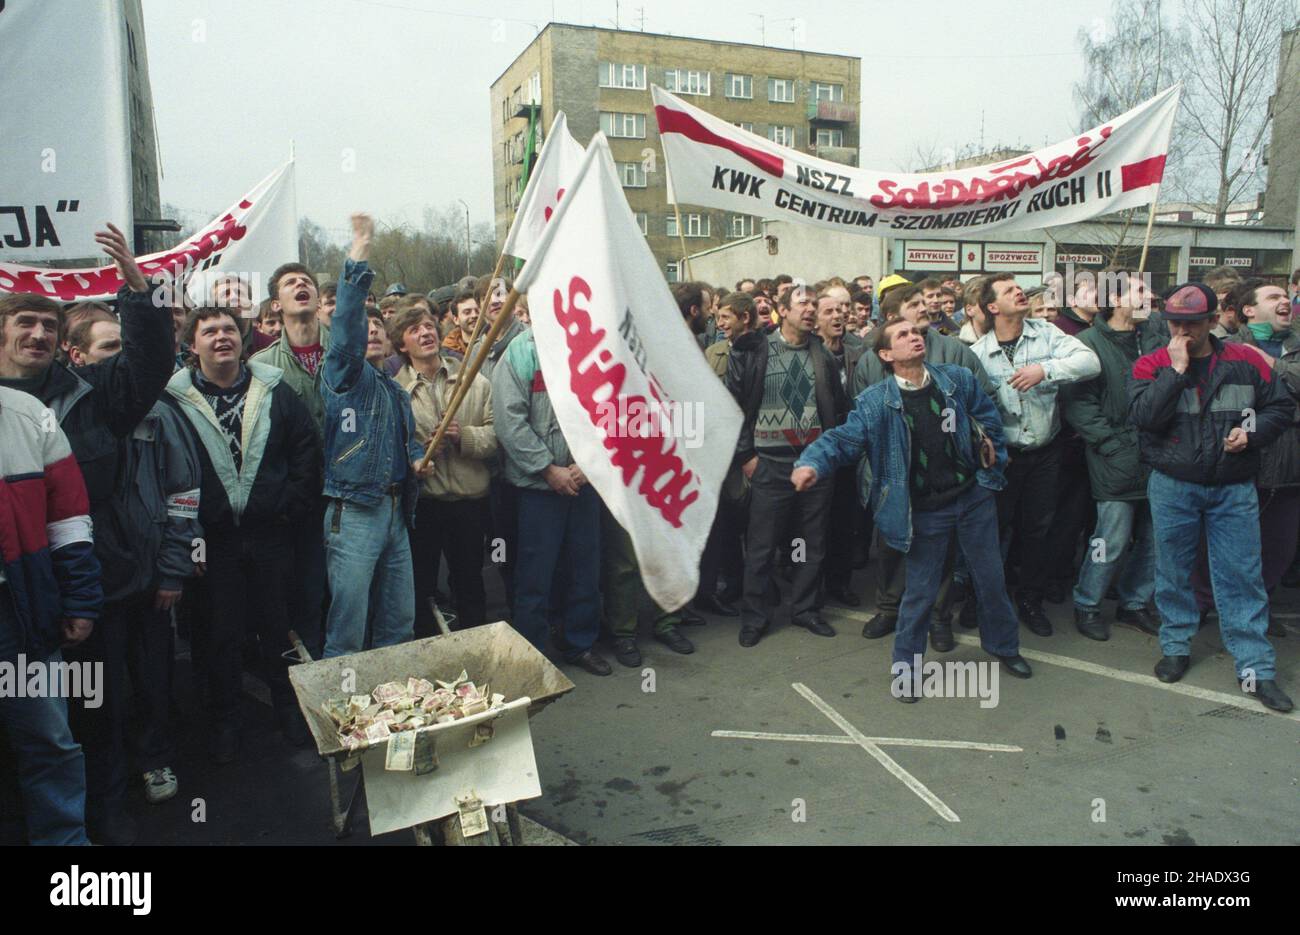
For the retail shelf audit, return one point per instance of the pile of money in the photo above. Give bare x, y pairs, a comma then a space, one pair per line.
395, 709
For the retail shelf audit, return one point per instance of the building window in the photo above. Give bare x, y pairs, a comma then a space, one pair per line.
825, 91
783, 136
740, 86
741, 225
680, 81
534, 89
830, 137
643, 222
747, 127
780, 90
697, 225
632, 174
624, 126
614, 75
670, 269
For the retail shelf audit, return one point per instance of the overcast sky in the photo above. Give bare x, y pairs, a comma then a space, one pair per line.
405, 83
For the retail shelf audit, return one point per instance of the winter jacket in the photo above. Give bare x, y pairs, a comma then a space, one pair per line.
368, 422
877, 429
716, 355
1098, 410
1031, 419
305, 384
1280, 461
461, 472
150, 528
45, 530
278, 481
99, 405
1071, 322
1182, 433
528, 434
513, 330
939, 349
746, 369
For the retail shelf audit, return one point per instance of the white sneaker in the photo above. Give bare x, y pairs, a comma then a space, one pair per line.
159, 785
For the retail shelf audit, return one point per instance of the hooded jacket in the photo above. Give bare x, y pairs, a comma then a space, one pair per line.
1280, 461
278, 480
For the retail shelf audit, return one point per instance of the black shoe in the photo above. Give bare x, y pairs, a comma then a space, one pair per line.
881, 624
1271, 696
1032, 616
676, 642
292, 726
712, 605
688, 618
225, 744
1171, 668
593, 663
844, 596
907, 699
816, 626
941, 635
1056, 592
728, 597
749, 636
116, 829
1091, 624
1016, 665
969, 616
1275, 627
626, 653
1139, 617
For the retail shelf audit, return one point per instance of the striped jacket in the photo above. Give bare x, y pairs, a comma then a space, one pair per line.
45, 530
1181, 430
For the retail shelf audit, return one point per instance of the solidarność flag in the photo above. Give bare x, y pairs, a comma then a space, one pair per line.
630, 387
557, 164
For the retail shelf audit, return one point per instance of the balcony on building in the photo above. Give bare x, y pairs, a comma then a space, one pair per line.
845, 155
832, 112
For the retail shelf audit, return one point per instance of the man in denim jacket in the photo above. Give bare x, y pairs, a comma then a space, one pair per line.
371, 474
934, 449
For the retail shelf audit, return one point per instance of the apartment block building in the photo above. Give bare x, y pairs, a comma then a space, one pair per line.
601, 79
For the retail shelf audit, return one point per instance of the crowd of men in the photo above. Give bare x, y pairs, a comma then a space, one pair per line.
240, 470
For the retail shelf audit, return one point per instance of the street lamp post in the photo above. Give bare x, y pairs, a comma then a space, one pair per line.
467, 247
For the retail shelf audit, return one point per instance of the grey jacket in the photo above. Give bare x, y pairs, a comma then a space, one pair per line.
528, 434
939, 349
153, 518
515, 329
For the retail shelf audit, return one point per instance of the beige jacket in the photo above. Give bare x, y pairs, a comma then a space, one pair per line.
457, 474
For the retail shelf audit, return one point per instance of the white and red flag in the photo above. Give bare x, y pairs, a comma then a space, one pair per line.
1114, 166
631, 389
556, 166
249, 239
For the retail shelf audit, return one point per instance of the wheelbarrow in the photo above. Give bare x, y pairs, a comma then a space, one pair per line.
470, 773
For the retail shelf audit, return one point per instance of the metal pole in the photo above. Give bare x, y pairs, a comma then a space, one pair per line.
467, 269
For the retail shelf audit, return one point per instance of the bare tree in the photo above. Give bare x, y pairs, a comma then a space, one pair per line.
1231, 70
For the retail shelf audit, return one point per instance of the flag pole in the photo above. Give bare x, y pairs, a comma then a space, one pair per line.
467, 374
1151, 221
681, 237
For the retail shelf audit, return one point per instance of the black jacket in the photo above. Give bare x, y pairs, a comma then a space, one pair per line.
1182, 433
747, 368
98, 406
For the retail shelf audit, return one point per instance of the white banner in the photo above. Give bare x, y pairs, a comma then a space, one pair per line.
631, 390
66, 130
1117, 165
556, 166
249, 239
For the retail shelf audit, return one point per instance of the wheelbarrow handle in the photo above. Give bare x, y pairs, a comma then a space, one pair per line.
298, 646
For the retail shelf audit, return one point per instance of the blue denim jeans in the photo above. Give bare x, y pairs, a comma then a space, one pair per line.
1228, 514
51, 769
558, 566
1123, 533
973, 518
368, 554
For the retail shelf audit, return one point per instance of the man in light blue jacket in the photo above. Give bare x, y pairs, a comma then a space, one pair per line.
935, 455
371, 472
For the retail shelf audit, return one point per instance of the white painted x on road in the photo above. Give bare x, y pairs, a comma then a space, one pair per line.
872, 745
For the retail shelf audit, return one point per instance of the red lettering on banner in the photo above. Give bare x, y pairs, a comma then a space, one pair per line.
69, 285
664, 477
1005, 182
550, 211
